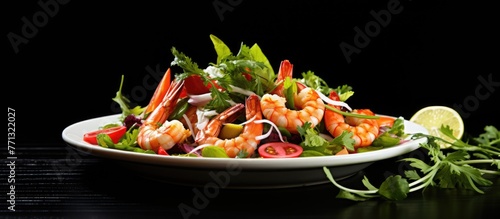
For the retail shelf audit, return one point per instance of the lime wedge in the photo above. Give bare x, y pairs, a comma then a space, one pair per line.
230, 130
433, 117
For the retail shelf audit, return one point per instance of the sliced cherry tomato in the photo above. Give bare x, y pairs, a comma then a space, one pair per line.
194, 85
280, 150
162, 151
115, 133
246, 74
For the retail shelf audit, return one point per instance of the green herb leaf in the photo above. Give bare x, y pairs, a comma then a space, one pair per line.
221, 48
344, 92
386, 140
213, 151
249, 70
453, 170
257, 55
311, 140
311, 153
344, 139
180, 109
124, 103
490, 137
351, 196
127, 143
290, 89
394, 188
315, 82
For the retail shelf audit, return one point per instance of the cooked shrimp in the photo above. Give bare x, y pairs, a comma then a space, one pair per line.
247, 141
310, 108
190, 119
285, 71
156, 131
364, 130
160, 91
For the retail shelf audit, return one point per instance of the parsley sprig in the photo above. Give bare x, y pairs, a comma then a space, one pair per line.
125, 104
127, 143
457, 167
315, 145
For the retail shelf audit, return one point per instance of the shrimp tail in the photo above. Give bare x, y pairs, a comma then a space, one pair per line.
216, 123
156, 131
364, 131
161, 113
285, 71
247, 141
159, 93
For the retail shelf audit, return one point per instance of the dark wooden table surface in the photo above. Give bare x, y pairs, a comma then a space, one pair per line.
52, 181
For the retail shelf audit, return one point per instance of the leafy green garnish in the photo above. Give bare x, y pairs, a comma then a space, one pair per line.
221, 48
128, 142
344, 139
446, 170
180, 109
214, 151
344, 92
124, 103
357, 115
311, 153
220, 100
392, 136
248, 70
491, 137
315, 82
290, 89
312, 141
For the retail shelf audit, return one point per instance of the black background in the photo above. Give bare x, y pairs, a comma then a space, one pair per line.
431, 53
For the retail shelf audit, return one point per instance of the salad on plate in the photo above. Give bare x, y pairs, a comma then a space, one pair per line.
239, 107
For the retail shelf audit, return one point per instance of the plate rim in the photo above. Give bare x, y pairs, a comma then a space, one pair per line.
70, 136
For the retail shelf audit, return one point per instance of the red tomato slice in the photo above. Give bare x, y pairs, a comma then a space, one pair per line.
194, 85
115, 133
280, 150
162, 151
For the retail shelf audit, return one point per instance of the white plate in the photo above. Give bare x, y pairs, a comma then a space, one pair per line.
236, 173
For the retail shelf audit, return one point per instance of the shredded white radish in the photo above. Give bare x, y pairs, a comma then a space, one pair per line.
248, 121
200, 100
241, 90
333, 102
189, 124
214, 72
199, 147
231, 102
204, 117
270, 130
325, 136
